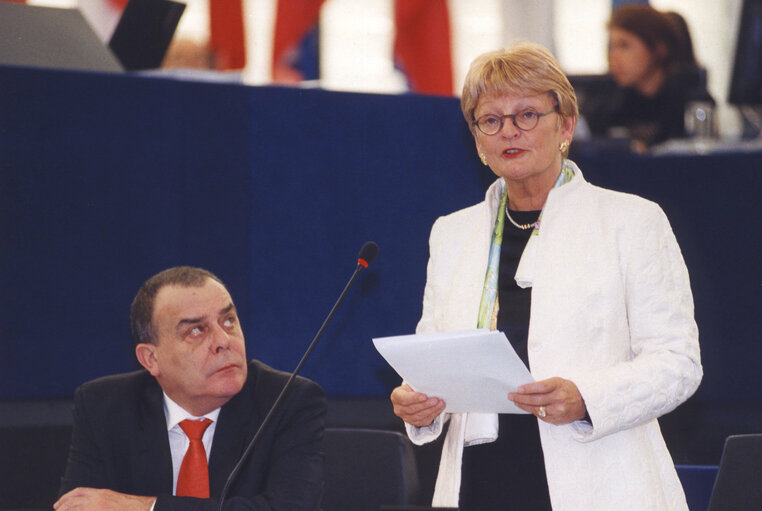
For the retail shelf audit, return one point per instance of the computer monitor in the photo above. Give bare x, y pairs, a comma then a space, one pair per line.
746, 80
144, 31
591, 87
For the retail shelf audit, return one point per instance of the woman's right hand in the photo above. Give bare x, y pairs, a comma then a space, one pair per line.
415, 408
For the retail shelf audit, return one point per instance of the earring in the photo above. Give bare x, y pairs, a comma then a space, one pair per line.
564, 146
483, 158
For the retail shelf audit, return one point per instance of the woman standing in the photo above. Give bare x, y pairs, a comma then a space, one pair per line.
590, 288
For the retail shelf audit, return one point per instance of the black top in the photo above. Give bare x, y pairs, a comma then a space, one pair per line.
510, 472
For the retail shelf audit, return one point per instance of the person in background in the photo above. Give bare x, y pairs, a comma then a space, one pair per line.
589, 286
651, 60
188, 54
133, 443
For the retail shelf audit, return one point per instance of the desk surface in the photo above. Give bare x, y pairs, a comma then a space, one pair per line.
694, 147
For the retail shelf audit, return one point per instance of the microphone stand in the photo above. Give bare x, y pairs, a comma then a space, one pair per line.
367, 254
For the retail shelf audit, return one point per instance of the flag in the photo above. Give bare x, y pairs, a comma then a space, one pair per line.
422, 45
226, 34
293, 59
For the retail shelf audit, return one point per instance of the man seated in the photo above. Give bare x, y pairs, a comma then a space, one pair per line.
132, 431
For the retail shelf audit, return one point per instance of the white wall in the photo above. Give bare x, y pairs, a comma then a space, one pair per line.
580, 34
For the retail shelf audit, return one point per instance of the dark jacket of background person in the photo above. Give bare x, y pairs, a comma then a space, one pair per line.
624, 112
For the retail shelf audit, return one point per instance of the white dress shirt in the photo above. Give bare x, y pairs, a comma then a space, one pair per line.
178, 440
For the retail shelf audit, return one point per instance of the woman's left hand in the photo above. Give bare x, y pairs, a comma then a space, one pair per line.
555, 400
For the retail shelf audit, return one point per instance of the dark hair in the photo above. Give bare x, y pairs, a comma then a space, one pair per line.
651, 26
141, 312
684, 55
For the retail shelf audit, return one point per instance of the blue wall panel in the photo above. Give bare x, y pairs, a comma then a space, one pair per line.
107, 179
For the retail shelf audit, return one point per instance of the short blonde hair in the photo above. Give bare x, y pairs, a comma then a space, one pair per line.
526, 69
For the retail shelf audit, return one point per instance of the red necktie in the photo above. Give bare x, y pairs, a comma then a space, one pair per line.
193, 479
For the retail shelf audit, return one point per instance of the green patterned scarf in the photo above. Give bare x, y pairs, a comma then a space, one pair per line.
488, 307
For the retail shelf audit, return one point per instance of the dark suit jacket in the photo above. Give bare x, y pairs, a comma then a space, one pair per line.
120, 442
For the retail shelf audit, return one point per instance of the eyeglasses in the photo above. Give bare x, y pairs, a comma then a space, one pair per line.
525, 120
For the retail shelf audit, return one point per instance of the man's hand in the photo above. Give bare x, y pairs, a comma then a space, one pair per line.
555, 400
415, 408
92, 499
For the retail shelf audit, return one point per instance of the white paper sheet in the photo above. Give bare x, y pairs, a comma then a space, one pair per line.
472, 371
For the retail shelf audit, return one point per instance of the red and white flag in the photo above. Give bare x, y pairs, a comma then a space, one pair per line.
422, 45
294, 19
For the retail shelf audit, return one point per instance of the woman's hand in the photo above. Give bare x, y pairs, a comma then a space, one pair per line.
555, 400
415, 408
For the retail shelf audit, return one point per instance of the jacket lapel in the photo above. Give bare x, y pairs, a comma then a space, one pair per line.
467, 284
152, 443
234, 430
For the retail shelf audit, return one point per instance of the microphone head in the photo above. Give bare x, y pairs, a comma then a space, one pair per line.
368, 254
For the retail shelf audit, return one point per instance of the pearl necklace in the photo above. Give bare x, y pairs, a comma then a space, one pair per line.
523, 227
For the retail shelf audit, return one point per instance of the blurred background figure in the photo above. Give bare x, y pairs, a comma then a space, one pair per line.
188, 54
650, 56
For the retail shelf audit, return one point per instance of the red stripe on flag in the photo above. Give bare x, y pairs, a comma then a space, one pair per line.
293, 20
226, 34
422, 45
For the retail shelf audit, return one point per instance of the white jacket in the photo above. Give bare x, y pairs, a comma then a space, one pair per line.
611, 311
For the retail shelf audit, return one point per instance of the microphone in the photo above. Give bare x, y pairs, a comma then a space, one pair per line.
367, 255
